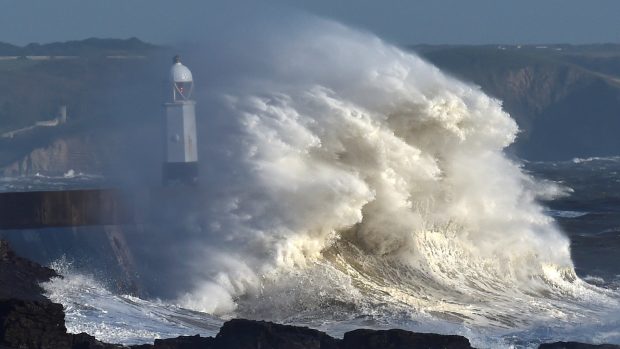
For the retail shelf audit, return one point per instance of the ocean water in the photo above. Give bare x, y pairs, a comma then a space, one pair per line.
588, 212
352, 184
39, 181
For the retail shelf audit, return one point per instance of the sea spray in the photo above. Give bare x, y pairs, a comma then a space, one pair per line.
351, 184
359, 179
118, 318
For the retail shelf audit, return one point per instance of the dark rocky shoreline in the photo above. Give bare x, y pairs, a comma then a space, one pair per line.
29, 320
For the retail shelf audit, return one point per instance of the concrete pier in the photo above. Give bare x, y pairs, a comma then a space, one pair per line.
66, 208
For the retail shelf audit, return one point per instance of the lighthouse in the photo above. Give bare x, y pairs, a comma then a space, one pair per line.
181, 152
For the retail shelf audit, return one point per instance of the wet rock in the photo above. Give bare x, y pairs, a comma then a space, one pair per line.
575, 345
33, 324
40, 325
86, 341
20, 277
248, 334
184, 342
400, 339
27, 318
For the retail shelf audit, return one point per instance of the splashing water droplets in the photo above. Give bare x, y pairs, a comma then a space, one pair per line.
369, 177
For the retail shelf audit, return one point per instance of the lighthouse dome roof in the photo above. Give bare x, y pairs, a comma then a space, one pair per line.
180, 73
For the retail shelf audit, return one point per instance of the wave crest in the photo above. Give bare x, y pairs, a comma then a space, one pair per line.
362, 177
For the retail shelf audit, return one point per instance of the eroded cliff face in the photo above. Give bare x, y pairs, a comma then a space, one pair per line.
130, 153
80, 154
566, 103
536, 88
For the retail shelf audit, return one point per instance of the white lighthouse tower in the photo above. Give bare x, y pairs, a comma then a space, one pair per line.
181, 153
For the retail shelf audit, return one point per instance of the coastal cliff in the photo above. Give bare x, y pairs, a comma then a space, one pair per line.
62, 155
564, 98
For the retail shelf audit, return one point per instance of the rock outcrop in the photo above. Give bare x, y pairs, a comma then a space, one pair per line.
249, 334
185, 342
33, 324
397, 339
20, 277
27, 318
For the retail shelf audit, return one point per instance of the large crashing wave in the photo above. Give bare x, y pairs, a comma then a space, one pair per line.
360, 179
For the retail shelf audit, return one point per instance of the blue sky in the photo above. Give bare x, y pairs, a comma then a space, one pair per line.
400, 21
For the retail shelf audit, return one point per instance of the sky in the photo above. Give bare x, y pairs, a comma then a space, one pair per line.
400, 21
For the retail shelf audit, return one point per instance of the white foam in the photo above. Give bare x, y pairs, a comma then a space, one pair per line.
91, 308
336, 135
596, 158
566, 214
354, 180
